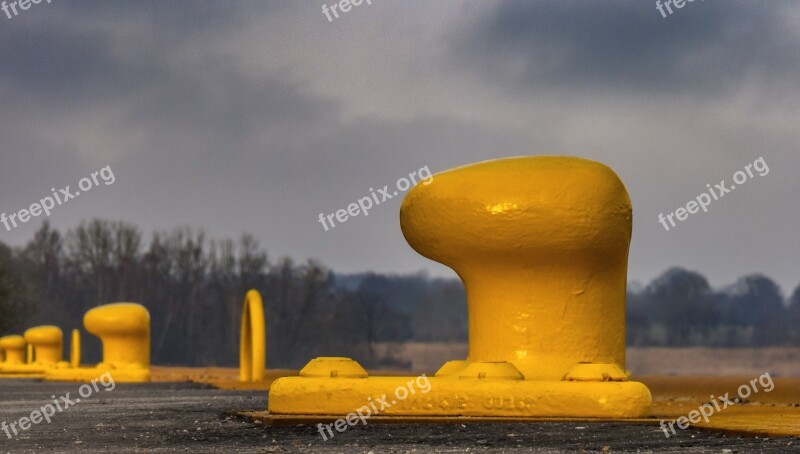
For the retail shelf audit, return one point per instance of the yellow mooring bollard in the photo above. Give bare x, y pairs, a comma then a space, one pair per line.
44, 351
124, 329
253, 340
14, 352
541, 244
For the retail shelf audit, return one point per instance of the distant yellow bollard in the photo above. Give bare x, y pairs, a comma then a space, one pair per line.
46, 344
42, 347
253, 340
14, 350
124, 330
541, 244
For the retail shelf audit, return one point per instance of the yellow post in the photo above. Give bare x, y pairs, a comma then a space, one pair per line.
75, 349
253, 339
541, 244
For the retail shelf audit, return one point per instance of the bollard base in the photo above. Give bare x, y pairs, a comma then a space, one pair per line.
497, 391
87, 374
23, 370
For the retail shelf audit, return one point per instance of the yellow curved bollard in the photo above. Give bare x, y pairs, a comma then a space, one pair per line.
253, 340
124, 330
541, 244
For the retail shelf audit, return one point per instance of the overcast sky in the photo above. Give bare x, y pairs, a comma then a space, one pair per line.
257, 116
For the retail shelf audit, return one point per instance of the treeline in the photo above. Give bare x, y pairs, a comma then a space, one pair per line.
679, 308
193, 287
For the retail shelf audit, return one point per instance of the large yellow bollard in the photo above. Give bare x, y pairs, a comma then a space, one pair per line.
253, 340
541, 244
124, 330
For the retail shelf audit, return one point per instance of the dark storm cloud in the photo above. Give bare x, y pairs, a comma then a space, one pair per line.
62, 65
139, 87
705, 47
206, 99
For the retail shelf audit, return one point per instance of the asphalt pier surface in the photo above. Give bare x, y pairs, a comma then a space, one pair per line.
186, 417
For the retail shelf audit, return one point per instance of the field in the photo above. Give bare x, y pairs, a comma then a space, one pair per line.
779, 361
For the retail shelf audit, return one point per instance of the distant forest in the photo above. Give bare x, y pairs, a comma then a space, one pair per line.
193, 287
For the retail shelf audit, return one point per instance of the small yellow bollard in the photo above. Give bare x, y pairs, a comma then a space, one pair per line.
124, 330
47, 343
253, 340
541, 244
14, 351
43, 352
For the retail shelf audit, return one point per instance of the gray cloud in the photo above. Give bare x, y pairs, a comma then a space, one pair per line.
707, 47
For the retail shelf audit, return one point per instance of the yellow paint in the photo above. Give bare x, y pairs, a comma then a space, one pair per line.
333, 367
767, 414
41, 348
453, 396
124, 330
541, 244
75, 349
253, 340
47, 343
551, 268
14, 348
